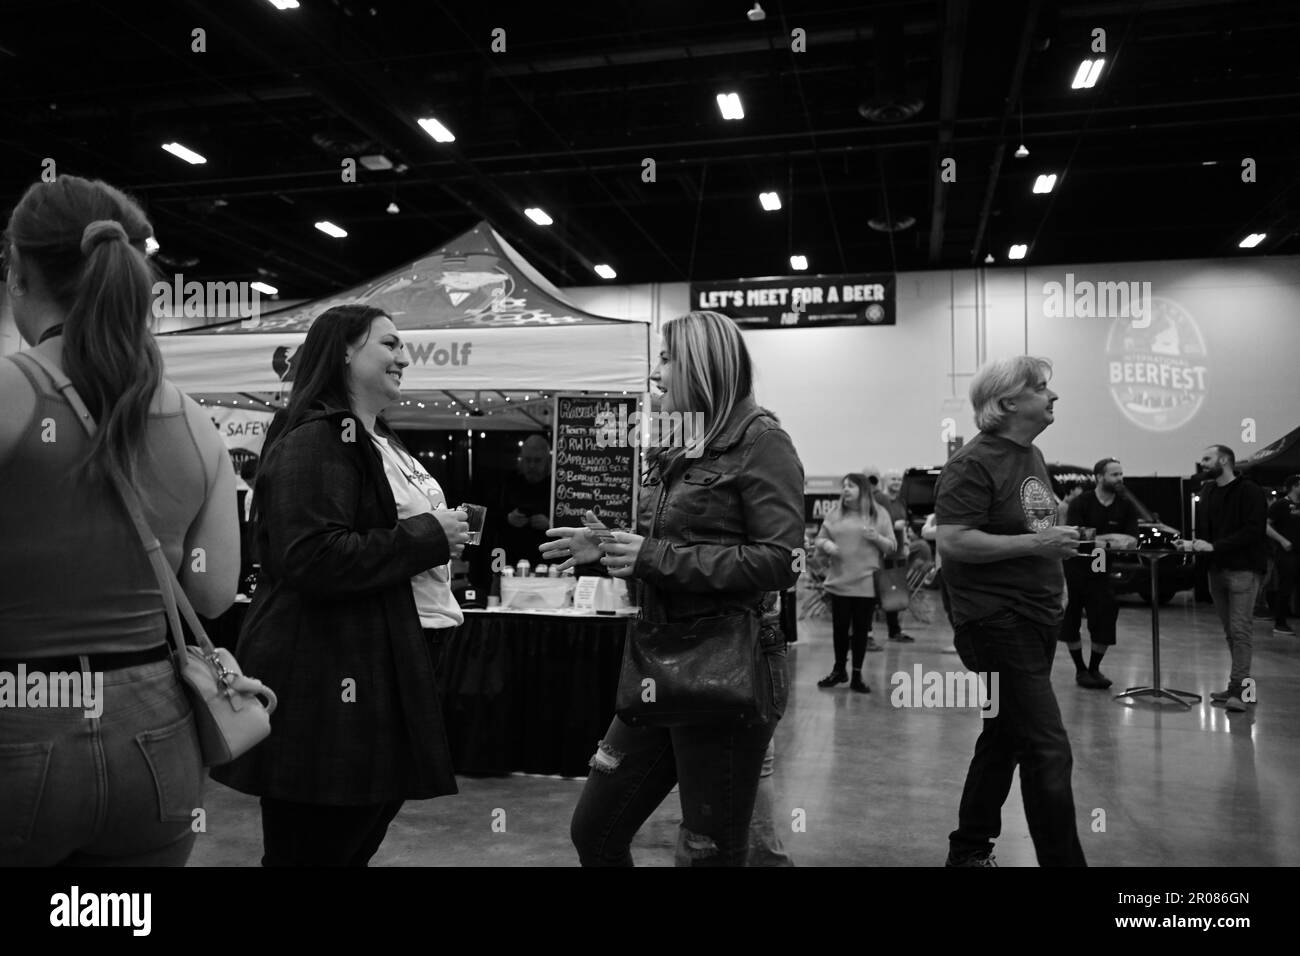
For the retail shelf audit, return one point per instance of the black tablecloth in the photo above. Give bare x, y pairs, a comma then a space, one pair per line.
530, 693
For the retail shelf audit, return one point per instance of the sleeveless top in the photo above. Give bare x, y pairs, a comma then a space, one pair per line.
74, 578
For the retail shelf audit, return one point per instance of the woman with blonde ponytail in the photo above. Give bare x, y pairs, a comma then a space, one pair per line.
114, 778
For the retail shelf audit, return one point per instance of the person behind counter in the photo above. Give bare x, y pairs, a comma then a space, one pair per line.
727, 516
523, 511
354, 547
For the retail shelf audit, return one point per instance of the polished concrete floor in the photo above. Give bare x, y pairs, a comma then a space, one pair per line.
1154, 785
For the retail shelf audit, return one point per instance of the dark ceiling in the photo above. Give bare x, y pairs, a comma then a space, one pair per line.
584, 92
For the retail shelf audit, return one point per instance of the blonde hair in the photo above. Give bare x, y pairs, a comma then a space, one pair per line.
711, 370
1002, 379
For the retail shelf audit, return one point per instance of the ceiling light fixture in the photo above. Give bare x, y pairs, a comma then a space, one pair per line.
392, 209
989, 259
538, 216
265, 289
436, 130
284, 4
729, 104
605, 272
182, 152
1045, 183
756, 14
771, 201
1022, 152
1085, 78
330, 229
1017, 251
376, 162
799, 263
1251, 241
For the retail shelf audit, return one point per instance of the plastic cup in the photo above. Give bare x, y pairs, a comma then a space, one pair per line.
476, 515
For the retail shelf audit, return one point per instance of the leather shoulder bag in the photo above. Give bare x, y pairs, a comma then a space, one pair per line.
230, 722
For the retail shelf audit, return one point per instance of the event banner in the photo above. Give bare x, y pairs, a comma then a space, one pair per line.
784, 302
590, 471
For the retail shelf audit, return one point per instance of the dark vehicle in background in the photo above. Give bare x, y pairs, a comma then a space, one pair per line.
1128, 574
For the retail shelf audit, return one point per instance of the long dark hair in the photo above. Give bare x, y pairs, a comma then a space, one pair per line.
321, 369
864, 494
86, 240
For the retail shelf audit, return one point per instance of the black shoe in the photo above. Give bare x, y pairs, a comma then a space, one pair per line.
1102, 680
1090, 680
971, 859
1283, 630
1219, 696
902, 638
872, 645
836, 676
859, 685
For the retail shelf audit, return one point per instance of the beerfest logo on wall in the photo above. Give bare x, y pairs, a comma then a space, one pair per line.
1157, 372
864, 299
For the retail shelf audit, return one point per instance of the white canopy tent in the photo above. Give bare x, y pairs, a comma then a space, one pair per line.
488, 336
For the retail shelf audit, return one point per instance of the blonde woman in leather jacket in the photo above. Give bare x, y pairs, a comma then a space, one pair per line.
726, 519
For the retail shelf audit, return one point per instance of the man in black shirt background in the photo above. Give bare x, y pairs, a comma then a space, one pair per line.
1108, 511
1284, 532
1230, 532
1002, 551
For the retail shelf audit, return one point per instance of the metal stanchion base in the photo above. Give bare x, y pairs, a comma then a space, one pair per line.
1162, 693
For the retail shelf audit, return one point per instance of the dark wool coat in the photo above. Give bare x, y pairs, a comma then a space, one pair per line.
333, 628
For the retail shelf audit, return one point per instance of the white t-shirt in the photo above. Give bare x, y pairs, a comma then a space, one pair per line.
417, 493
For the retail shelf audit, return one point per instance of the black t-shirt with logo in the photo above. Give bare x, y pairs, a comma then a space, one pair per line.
996, 486
1285, 515
1119, 517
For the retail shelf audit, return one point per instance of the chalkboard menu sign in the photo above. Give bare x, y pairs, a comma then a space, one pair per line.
593, 465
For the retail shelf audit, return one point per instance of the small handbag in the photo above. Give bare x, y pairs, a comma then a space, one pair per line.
229, 722
891, 589
705, 671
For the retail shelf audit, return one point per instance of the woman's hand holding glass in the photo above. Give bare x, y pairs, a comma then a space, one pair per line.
455, 525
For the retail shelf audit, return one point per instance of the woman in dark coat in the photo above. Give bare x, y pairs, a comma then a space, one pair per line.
334, 626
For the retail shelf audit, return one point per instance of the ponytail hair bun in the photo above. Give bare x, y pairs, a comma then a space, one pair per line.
101, 230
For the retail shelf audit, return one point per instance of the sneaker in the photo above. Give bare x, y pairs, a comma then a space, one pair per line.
872, 645
1235, 704
971, 859
1090, 680
836, 676
902, 638
859, 685
1219, 696
1263, 614
1102, 680
1283, 630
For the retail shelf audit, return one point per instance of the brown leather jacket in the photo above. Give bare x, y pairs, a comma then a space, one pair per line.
722, 529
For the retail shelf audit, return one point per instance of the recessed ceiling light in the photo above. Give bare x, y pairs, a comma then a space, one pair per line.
330, 229
1017, 251
436, 130
182, 152
265, 289
729, 104
1045, 183
1251, 241
605, 272
771, 201
799, 263
1085, 78
538, 216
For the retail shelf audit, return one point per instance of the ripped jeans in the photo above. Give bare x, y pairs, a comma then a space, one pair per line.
716, 769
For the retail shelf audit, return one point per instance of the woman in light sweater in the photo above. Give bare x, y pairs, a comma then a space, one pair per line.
855, 536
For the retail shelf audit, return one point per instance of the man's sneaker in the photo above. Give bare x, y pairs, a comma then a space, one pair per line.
872, 645
1283, 630
1090, 680
1101, 679
1235, 704
902, 638
971, 859
1219, 696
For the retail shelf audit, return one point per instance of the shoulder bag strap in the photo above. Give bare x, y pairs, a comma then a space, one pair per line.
172, 593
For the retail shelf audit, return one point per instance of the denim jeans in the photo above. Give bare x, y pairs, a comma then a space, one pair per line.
716, 769
1234, 601
115, 790
1027, 731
